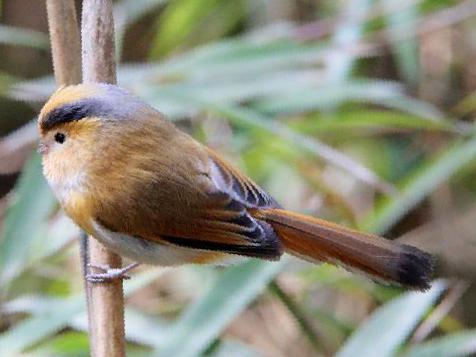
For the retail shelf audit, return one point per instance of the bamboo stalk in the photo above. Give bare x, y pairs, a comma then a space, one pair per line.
65, 43
97, 33
66, 49
106, 300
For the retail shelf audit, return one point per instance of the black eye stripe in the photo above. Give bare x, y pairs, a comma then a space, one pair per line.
73, 112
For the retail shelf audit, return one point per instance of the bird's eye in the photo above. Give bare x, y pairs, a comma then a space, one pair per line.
60, 138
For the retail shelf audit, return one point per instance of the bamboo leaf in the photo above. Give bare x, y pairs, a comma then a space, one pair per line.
51, 318
349, 32
364, 119
10, 35
389, 326
383, 93
420, 183
25, 221
183, 21
456, 344
405, 51
202, 322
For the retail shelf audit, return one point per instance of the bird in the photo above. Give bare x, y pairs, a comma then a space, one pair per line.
150, 192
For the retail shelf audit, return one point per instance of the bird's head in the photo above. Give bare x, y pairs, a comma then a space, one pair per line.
79, 122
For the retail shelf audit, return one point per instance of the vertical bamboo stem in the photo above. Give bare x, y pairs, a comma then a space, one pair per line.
65, 43
106, 300
66, 48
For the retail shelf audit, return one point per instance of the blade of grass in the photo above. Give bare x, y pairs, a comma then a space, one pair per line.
383, 93
440, 311
47, 322
199, 325
349, 31
364, 119
457, 344
405, 51
140, 328
420, 183
301, 319
25, 221
239, 56
312, 145
390, 325
189, 21
10, 35
16, 148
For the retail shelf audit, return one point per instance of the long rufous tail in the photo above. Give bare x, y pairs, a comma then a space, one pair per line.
316, 240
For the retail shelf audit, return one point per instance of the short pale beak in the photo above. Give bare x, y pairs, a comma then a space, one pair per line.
42, 148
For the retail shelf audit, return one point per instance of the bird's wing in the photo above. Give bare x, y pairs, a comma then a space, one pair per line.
229, 180
214, 215
224, 222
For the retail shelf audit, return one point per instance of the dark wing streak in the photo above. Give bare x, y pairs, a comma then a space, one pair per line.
233, 230
263, 251
240, 186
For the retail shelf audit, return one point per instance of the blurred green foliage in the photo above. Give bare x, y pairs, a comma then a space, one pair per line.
339, 109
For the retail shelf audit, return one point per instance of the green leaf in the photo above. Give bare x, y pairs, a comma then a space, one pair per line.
231, 89
23, 37
466, 105
32, 330
241, 56
25, 222
51, 318
454, 345
389, 326
192, 21
68, 344
203, 321
406, 50
383, 93
140, 328
420, 183
349, 32
364, 119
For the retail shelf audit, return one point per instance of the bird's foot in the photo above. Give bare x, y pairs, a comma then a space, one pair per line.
109, 274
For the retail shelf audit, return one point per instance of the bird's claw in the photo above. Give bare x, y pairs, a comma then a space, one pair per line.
109, 274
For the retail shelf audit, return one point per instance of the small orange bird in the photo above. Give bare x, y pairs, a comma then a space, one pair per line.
150, 192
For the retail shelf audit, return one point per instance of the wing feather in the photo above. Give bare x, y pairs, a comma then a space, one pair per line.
225, 224
210, 214
238, 185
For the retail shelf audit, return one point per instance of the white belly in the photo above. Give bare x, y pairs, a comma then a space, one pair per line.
144, 251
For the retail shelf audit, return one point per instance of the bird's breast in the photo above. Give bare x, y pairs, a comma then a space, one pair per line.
67, 186
71, 191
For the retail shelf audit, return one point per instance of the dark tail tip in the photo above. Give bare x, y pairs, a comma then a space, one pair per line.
415, 268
